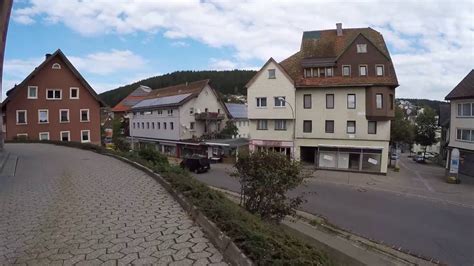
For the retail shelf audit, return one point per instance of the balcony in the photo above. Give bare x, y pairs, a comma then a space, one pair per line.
209, 116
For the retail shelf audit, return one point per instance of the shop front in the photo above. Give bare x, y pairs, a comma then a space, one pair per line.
349, 158
284, 147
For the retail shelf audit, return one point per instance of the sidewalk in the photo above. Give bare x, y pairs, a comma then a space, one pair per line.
413, 179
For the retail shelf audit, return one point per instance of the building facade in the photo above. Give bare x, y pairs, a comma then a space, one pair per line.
339, 91
53, 103
239, 117
461, 125
175, 119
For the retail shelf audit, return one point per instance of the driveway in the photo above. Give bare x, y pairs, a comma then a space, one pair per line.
68, 206
386, 209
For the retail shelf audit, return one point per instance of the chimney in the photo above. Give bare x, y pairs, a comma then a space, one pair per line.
47, 56
339, 29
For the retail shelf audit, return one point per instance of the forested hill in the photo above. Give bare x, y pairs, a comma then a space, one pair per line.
225, 82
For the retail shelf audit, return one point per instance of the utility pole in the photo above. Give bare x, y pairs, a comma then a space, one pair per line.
5, 10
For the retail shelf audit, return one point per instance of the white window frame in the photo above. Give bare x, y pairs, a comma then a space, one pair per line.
329, 69
366, 71
68, 135
54, 90
272, 73
88, 116
280, 124
381, 101
264, 122
348, 101
36, 90
68, 117
56, 66
88, 136
376, 70
348, 127
26, 117
342, 72
464, 140
259, 102
47, 116
361, 48
281, 104
70, 93
170, 112
460, 111
41, 133
22, 135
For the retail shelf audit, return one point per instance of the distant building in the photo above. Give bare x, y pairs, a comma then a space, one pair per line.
329, 104
238, 115
54, 102
461, 127
126, 104
176, 120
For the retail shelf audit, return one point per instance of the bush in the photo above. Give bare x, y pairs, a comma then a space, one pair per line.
266, 178
154, 157
121, 144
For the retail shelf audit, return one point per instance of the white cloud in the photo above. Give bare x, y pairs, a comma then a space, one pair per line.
438, 34
104, 63
179, 44
225, 64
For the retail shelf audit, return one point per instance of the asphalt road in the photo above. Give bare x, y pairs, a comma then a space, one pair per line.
433, 229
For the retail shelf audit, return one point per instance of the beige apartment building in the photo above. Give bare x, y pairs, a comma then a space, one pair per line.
329, 104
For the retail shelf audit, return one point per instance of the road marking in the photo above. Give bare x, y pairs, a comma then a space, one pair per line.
420, 177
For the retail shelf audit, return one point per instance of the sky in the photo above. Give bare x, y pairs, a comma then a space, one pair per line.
117, 42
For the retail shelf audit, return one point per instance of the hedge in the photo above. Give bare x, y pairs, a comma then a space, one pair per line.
264, 243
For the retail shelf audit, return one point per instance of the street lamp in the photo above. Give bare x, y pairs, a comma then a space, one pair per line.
294, 123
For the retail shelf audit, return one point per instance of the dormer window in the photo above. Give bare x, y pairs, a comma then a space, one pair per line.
322, 72
363, 70
379, 70
308, 73
362, 48
346, 71
271, 74
56, 66
329, 72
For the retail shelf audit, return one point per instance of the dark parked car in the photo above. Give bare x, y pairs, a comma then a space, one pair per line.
419, 158
196, 163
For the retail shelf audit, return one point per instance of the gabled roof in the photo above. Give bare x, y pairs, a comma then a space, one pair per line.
324, 48
251, 81
68, 63
465, 88
237, 110
133, 98
162, 101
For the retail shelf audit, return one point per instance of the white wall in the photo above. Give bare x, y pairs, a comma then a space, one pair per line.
168, 133
461, 123
243, 126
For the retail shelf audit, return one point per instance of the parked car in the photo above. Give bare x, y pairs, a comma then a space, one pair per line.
394, 156
419, 158
196, 163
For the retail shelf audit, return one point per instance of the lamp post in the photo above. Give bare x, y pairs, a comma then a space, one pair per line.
294, 123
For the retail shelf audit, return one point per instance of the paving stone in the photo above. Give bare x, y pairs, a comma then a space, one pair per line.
134, 249
184, 262
182, 245
111, 256
127, 259
163, 253
75, 259
199, 247
199, 255
96, 253
181, 254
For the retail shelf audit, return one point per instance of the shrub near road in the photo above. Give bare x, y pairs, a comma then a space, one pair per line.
264, 243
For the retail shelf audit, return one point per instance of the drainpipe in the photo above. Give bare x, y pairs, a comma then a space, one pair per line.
5, 10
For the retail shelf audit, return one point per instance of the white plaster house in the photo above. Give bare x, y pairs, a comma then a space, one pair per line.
239, 117
339, 89
175, 119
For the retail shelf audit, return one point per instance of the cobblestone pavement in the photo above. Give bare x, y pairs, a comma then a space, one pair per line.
67, 206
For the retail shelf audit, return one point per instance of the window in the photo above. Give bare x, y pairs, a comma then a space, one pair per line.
351, 127
379, 70
391, 101
362, 48
346, 71
63, 115
262, 124
52, 94
164, 125
329, 126
321, 72
171, 125
351, 101
147, 125
307, 101
65, 136
43, 116
329, 101
56, 66
23, 136
152, 125
379, 100
307, 126
271, 74
308, 72
85, 136
466, 109
363, 70
143, 125
372, 127
21, 117
465, 134
74, 93
32, 92
329, 72
158, 125
191, 111
43, 136
84, 115
191, 126
280, 124
262, 102
280, 101
170, 112
133, 124
160, 112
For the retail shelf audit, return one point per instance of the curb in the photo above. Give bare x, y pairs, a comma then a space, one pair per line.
221, 241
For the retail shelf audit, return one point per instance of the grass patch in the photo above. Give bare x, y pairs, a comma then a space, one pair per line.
264, 243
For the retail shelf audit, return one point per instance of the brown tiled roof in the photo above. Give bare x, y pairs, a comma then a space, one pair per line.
465, 88
325, 44
194, 88
133, 98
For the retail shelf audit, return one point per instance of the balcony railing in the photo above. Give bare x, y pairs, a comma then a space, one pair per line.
209, 116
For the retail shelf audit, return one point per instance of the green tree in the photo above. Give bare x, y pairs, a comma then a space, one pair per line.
425, 128
118, 136
266, 178
230, 130
401, 130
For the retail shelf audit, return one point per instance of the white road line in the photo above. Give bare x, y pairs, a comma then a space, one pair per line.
420, 177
